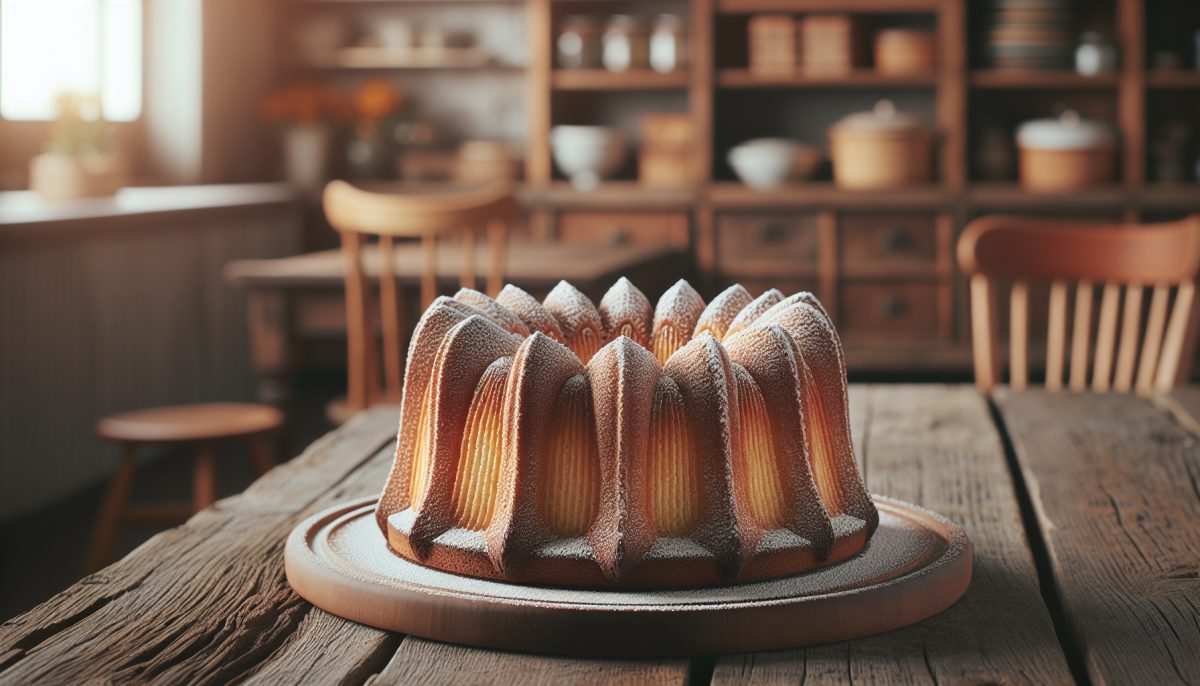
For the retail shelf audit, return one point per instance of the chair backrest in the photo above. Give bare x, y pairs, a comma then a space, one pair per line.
357, 213
1125, 262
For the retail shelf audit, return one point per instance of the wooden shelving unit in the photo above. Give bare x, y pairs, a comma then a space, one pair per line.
883, 262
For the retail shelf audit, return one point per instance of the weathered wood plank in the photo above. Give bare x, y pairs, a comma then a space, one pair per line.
327, 649
207, 602
937, 446
427, 662
1115, 488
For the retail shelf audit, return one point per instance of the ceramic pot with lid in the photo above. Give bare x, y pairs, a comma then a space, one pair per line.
1066, 154
881, 149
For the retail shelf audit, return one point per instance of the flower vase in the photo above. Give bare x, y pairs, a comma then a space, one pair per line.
306, 156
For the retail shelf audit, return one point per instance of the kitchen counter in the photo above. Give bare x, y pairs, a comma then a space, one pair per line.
25, 211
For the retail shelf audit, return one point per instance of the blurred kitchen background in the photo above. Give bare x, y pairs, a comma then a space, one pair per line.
159, 158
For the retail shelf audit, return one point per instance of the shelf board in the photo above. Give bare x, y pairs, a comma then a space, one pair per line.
610, 195
417, 59
1171, 196
859, 78
855, 6
1016, 79
734, 195
1173, 79
603, 80
1011, 195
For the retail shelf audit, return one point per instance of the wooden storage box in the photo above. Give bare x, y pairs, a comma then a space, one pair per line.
905, 52
774, 44
667, 156
830, 43
881, 149
1065, 154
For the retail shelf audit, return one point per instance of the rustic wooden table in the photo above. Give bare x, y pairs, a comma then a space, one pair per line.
299, 298
1083, 509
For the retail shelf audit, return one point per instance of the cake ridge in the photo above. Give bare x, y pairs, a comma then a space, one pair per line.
716, 449
466, 352
541, 367
720, 313
623, 375
530, 311
626, 311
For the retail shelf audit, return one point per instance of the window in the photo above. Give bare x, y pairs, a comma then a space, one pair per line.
83, 47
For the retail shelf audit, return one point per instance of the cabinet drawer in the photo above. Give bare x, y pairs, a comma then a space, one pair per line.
624, 228
889, 308
783, 243
878, 240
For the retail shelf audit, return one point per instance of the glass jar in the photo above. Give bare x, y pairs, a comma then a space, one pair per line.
578, 43
1095, 55
668, 44
624, 44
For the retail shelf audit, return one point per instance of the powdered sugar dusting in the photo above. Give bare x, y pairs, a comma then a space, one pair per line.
754, 310
626, 311
530, 311
721, 312
578, 318
675, 318
498, 313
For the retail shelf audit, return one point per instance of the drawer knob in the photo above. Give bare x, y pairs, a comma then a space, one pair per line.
897, 240
616, 236
772, 233
893, 307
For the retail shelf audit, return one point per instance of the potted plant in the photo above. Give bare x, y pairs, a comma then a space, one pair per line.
82, 158
303, 113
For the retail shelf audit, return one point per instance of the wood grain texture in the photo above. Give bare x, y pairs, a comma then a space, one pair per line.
207, 602
936, 446
1115, 488
428, 662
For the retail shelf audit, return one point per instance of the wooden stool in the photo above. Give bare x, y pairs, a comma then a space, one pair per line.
201, 425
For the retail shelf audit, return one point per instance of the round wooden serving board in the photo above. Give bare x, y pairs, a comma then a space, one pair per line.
916, 565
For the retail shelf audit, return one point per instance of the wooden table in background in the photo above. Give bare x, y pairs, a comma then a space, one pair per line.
1110, 486
299, 298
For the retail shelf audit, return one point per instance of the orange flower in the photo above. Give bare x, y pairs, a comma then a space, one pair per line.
376, 99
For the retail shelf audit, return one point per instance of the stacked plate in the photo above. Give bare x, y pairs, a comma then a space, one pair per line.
1030, 34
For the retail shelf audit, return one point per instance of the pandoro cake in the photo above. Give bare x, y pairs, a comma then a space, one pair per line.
676, 445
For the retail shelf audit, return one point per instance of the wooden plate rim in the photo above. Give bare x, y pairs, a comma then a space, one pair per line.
456, 615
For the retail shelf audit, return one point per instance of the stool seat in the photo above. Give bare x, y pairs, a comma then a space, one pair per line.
190, 423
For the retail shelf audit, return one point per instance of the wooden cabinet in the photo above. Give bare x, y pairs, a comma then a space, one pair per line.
883, 309
624, 228
767, 244
874, 241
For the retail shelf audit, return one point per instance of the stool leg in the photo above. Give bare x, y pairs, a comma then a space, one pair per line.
112, 511
204, 478
260, 455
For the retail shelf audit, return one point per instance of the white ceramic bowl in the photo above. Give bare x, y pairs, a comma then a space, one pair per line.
587, 154
767, 164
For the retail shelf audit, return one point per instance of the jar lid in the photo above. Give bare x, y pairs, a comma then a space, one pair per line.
884, 118
1068, 132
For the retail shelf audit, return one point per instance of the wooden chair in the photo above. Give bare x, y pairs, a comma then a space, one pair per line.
354, 212
200, 426
1126, 263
